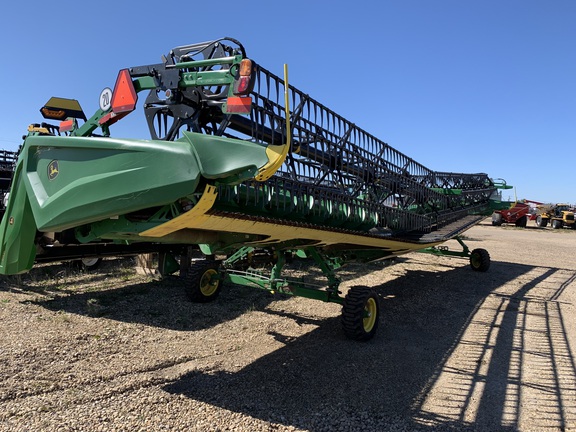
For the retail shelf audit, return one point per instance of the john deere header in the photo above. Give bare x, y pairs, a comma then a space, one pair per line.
239, 164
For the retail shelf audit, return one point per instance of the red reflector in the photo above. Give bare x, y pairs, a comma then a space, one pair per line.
112, 118
66, 125
242, 85
106, 118
124, 97
238, 105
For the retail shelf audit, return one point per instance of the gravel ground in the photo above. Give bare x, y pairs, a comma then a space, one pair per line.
456, 350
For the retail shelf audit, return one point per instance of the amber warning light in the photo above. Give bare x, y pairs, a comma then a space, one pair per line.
61, 108
241, 101
244, 82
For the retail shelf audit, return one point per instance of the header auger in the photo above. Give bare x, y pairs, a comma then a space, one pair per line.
241, 164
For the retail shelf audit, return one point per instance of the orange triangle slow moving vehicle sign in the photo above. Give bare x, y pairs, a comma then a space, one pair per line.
124, 97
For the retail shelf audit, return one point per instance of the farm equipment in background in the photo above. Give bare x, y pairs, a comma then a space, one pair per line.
247, 167
557, 215
518, 214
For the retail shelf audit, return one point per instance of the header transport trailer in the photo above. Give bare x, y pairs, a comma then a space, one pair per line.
246, 167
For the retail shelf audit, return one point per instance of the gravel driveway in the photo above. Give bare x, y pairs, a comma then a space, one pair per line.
456, 350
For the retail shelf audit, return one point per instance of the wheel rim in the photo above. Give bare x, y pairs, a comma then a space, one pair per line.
371, 311
208, 284
89, 262
476, 260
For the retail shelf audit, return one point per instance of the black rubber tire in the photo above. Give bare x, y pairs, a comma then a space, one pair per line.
480, 260
556, 224
521, 223
203, 283
541, 222
360, 313
496, 219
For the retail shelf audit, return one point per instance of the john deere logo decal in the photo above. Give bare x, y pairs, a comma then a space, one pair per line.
53, 170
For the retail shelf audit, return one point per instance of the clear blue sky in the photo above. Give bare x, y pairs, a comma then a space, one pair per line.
458, 85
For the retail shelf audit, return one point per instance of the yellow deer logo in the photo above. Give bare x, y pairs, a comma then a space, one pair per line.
53, 170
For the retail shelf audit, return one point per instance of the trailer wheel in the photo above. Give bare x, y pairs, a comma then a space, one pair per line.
496, 219
521, 223
360, 313
480, 260
202, 283
88, 264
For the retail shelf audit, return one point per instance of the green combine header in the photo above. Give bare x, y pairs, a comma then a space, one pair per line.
240, 164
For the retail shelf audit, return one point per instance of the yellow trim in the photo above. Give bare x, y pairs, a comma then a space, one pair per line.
277, 153
196, 214
276, 156
273, 233
207, 286
372, 310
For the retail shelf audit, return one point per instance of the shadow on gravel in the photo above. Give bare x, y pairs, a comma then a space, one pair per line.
161, 303
432, 326
56, 278
158, 303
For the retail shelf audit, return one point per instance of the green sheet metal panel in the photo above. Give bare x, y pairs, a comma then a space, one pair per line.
72, 181
17, 230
